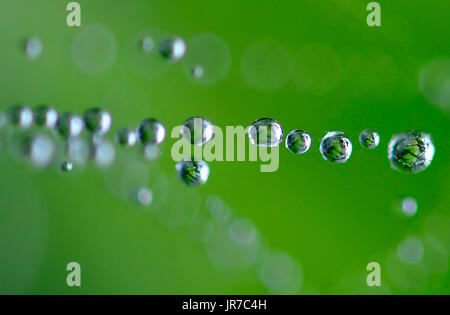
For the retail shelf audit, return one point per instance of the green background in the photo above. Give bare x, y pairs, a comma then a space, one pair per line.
332, 220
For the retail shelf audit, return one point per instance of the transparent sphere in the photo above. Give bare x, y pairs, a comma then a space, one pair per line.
197, 130
39, 148
298, 141
151, 131
126, 137
21, 116
409, 206
198, 71
144, 196
411, 152
193, 173
336, 147
33, 47
369, 139
265, 132
97, 120
45, 116
172, 48
70, 125
66, 166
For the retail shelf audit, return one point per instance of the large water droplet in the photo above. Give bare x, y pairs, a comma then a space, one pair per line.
40, 149
369, 139
97, 121
298, 141
265, 132
151, 131
336, 147
197, 130
193, 173
411, 152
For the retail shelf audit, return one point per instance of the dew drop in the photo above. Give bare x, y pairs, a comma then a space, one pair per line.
21, 116
151, 131
409, 206
147, 44
144, 196
33, 47
193, 173
66, 166
126, 137
336, 147
197, 130
265, 132
70, 125
104, 153
172, 48
97, 121
298, 141
40, 149
369, 139
198, 71
45, 116
411, 152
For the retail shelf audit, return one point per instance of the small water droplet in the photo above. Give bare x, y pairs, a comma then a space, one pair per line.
197, 130
172, 48
104, 153
70, 125
369, 139
193, 173
298, 141
21, 116
144, 196
147, 44
97, 121
151, 131
45, 116
265, 132
33, 47
66, 166
410, 250
198, 71
126, 137
336, 147
409, 206
411, 152
39, 148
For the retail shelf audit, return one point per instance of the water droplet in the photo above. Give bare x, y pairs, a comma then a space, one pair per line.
369, 139
193, 173
70, 125
411, 152
21, 116
147, 44
104, 153
172, 48
336, 147
197, 130
97, 121
298, 141
409, 206
198, 71
45, 116
40, 149
410, 250
66, 166
151, 131
33, 47
126, 137
144, 196
265, 132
